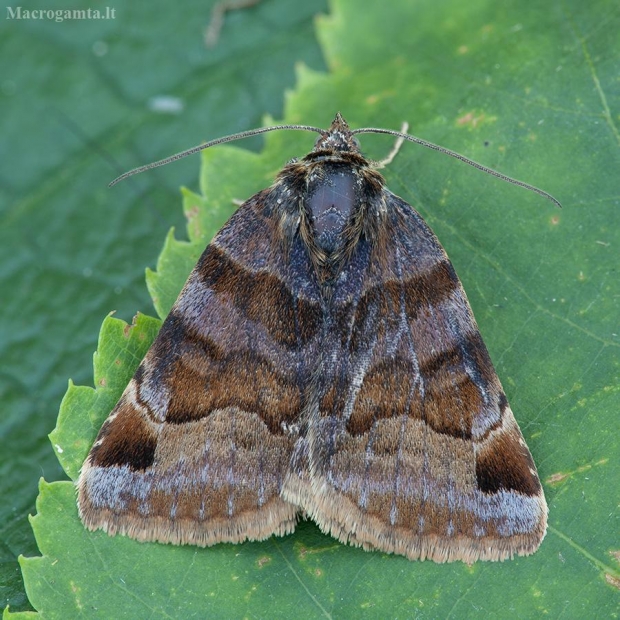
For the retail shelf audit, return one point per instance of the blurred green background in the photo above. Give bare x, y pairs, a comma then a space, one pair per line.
532, 89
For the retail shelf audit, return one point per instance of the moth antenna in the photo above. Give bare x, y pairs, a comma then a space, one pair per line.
206, 145
460, 157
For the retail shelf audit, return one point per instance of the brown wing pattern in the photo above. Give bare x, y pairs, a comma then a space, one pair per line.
198, 446
413, 446
322, 358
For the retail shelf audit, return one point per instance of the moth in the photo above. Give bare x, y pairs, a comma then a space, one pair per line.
322, 360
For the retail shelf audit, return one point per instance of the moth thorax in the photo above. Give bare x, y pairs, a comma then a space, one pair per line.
330, 202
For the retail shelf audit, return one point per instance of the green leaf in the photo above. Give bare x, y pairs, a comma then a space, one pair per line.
83, 409
517, 86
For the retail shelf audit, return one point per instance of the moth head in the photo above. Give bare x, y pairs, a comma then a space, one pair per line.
337, 138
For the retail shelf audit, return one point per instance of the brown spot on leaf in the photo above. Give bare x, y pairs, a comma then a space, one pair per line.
470, 119
557, 478
612, 581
